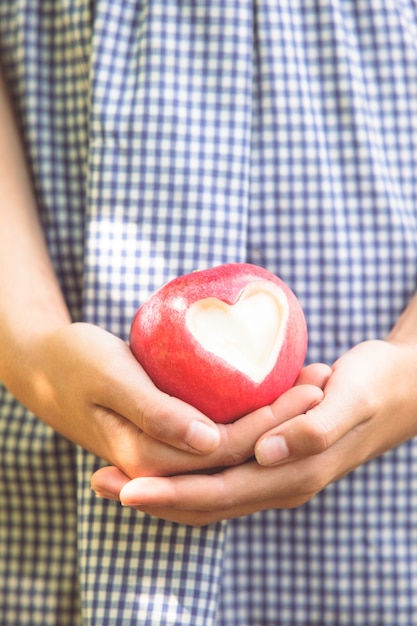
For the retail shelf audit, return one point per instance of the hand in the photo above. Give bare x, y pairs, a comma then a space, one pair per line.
369, 407
86, 384
237, 440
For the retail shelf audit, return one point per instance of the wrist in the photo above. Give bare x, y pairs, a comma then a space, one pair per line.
23, 349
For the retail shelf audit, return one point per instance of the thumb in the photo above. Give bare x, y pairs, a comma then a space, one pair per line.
316, 430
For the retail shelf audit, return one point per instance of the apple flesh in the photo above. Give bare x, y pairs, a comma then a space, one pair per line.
227, 340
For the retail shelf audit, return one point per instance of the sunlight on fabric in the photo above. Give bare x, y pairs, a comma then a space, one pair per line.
128, 247
162, 608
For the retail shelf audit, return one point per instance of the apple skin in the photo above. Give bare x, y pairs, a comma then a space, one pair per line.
179, 365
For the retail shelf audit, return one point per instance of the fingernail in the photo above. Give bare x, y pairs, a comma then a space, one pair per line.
107, 495
134, 492
272, 450
202, 437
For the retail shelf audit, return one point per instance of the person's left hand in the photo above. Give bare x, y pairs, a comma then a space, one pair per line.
369, 407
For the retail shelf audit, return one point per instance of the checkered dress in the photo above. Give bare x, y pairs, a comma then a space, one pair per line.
169, 135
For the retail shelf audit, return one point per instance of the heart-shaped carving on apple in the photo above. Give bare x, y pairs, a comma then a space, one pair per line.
227, 340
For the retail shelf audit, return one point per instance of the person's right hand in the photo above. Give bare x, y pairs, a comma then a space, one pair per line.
88, 386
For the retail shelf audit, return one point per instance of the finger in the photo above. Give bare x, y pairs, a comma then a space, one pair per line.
314, 374
231, 493
315, 430
159, 415
296, 400
222, 492
107, 482
238, 439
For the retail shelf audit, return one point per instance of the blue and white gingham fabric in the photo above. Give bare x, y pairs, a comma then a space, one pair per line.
169, 135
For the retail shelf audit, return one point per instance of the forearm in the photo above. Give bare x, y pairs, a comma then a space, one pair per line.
31, 302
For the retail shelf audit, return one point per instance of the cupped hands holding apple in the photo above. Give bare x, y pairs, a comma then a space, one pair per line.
324, 423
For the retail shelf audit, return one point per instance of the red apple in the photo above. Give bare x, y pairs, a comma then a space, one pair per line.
227, 340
